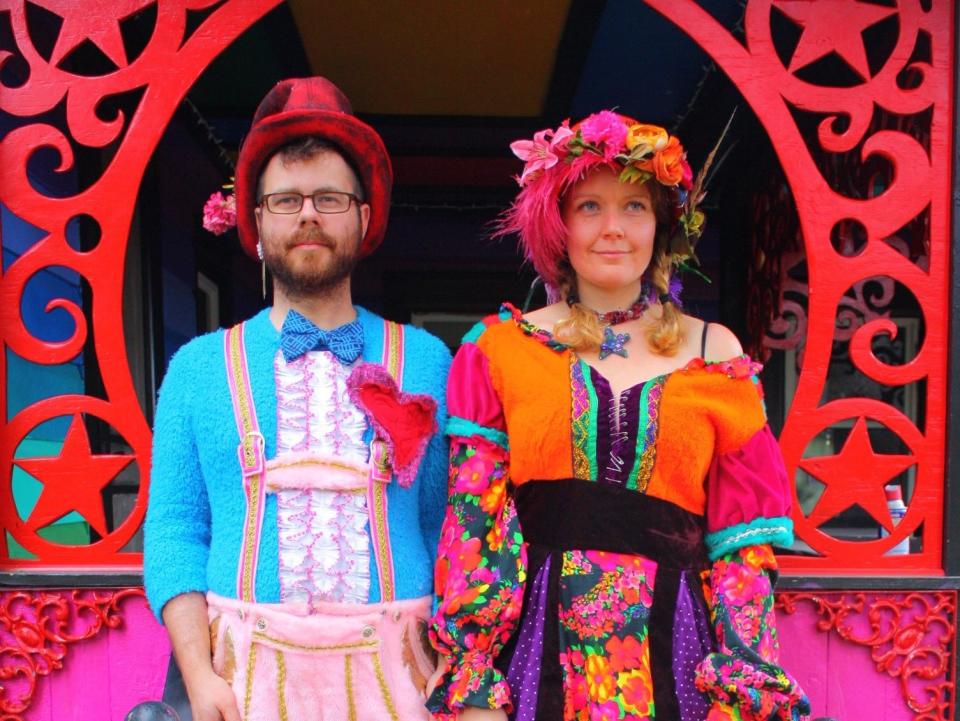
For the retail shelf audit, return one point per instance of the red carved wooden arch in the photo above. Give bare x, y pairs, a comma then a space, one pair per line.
921, 183
165, 69
174, 58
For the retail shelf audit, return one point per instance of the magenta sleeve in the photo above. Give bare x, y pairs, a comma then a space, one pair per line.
472, 402
748, 497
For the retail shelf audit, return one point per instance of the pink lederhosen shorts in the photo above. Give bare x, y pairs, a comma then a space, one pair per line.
325, 662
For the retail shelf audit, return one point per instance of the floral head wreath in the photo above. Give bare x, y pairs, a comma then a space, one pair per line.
556, 159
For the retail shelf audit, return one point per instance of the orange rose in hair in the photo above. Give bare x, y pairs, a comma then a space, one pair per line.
668, 163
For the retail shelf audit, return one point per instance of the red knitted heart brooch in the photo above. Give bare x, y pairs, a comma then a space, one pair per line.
404, 421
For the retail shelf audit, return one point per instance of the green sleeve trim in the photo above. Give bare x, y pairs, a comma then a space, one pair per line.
775, 531
457, 426
474, 333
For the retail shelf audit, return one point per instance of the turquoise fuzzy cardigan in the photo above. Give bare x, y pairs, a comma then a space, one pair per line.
195, 511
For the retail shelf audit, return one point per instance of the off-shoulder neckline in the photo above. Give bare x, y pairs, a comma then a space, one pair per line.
742, 366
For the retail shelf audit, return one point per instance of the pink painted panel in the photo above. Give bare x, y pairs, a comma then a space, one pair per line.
138, 664
839, 676
81, 689
803, 653
104, 677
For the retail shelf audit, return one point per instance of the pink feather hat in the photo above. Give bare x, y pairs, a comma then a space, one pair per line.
557, 159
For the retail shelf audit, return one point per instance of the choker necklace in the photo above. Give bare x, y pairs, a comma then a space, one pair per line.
614, 343
614, 317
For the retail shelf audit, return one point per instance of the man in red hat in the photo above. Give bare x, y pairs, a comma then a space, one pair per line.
298, 479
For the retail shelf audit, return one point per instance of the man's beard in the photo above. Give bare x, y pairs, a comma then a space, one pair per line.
318, 272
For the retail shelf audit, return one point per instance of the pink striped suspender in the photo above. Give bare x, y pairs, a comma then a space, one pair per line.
250, 452
381, 472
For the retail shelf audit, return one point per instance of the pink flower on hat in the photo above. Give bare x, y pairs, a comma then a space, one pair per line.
220, 213
539, 153
605, 128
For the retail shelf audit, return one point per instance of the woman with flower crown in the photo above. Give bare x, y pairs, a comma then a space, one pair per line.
614, 486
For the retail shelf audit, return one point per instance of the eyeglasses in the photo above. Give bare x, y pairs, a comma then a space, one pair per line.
325, 201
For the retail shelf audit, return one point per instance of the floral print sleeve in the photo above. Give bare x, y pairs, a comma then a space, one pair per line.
743, 678
480, 579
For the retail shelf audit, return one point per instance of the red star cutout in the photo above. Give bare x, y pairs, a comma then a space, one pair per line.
100, 24
73, 480
856, 475
832, 25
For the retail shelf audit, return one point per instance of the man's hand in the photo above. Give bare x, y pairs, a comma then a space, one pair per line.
212, 699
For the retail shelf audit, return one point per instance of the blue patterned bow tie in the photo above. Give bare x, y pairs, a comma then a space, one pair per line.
300, 335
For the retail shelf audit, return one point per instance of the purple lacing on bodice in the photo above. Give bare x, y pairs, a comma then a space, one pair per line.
617, 428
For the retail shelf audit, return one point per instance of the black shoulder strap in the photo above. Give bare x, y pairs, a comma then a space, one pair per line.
703, 340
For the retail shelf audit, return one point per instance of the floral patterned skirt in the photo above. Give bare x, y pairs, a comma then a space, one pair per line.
607, 634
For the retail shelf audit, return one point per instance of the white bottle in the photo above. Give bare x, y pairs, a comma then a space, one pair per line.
897, 510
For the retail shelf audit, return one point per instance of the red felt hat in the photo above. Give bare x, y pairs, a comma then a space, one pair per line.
312, 106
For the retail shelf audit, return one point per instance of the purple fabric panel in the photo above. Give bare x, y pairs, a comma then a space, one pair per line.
523, 676
748, 483
470, 393
604, 425
610, 442
691, 644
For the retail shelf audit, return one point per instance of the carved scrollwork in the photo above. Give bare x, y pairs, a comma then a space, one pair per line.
894, 115
158, 78
37, 629
911, 638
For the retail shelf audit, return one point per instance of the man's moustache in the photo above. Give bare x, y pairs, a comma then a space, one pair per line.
313, 236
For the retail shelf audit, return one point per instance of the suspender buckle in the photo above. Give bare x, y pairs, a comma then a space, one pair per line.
381, 469
250, 453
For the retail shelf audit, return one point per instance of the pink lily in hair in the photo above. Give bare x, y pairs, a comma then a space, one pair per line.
538, 153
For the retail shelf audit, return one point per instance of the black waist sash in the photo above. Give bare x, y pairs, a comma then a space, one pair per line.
574, 514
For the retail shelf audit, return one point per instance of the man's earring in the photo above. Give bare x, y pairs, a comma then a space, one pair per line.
263, 270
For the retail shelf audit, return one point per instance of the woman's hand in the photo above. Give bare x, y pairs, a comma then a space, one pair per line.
473, 713
435, 677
